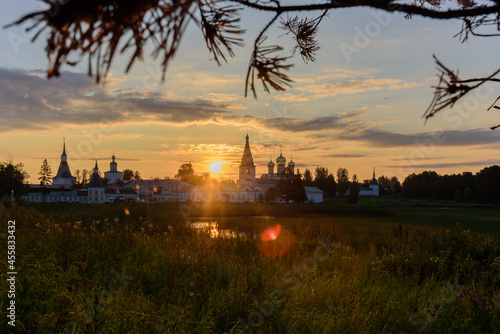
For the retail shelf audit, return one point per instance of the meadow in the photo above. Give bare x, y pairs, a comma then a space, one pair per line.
380, 266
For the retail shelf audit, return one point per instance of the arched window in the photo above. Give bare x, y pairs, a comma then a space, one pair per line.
248, 170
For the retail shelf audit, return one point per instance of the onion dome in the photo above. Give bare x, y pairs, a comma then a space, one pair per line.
270, 163
113, 162
281, 159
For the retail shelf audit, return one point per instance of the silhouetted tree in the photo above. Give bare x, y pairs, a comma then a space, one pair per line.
137, 176
185, 173
45, 173
271, 195
298, 190
86, 176
285, 187
353, 196
308, 179
489, 183
13, 179
99, 29
389, 186
45, 177
467, 194
128, 174
342, 181
325, 181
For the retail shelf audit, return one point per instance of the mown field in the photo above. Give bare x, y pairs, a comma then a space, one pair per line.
377, 267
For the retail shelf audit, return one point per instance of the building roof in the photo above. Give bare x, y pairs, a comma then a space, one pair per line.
313, 190
96, 181
63, 170
156, 183
247, 159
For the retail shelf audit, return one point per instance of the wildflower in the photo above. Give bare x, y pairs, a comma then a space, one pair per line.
495, 296
460, 295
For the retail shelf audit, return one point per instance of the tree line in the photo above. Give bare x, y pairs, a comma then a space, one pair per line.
482, 186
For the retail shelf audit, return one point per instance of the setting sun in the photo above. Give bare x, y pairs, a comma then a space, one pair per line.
215, 167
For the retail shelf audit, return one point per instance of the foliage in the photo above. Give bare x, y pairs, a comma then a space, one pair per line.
285, 186
185, 172
353, 196
307, 178
342, 181
289, 188
389, 186
325, 181
350, 275
45, 173
128, 174
271, 195
484, 185
13, 179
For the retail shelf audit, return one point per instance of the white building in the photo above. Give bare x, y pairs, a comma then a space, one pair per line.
113, 175
373, 188
96, 188
314, 194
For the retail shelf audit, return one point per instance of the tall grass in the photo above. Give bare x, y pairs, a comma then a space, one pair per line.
109, 271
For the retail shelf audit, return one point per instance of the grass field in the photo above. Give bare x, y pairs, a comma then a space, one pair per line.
378, 267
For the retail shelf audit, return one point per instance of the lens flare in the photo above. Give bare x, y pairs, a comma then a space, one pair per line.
275, 242
271, 233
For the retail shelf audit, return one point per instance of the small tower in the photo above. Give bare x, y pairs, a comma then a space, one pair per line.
247, 167
96, 188
63, 176
281, 161
113, 175
291, 166
270, 167
374, 184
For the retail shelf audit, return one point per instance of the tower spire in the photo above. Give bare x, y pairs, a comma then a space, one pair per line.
64, 146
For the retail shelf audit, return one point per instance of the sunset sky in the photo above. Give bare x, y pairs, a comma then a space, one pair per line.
359, 111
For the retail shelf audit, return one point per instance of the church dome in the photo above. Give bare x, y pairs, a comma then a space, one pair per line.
270, 163
291, 163
281, 159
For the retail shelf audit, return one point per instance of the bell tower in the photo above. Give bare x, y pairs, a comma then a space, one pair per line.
247, 167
